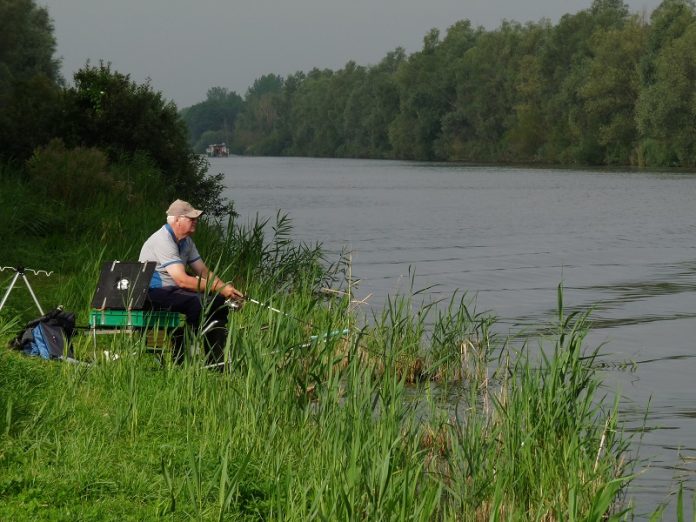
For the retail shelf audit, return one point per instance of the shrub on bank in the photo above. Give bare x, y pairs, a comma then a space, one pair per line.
72, 176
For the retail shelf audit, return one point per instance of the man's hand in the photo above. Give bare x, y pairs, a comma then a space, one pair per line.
230, 292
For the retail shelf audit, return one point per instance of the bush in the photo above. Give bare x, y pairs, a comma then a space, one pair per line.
71, 176
107, 110
656, 153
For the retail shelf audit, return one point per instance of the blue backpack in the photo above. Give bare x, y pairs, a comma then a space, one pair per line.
48, 336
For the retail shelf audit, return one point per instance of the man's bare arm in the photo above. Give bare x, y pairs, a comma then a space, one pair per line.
208, 279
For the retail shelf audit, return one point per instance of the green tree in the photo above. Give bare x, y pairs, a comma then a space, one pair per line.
259, 124
667, 23
313, 118
27, 44
609, 93
667, 108
217, 114
329, 113
527, 134
370, 108
107, 110
349, 97
564, 59
483, 110
425, 96
29, 78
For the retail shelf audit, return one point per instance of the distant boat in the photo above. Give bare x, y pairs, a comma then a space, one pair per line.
217, 150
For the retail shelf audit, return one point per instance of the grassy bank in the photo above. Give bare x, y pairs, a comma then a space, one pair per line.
416, 414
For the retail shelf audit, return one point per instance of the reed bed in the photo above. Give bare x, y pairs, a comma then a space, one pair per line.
418, 413
128, 439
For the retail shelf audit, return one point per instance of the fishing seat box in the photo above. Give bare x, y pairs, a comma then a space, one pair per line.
120, 304
133, 319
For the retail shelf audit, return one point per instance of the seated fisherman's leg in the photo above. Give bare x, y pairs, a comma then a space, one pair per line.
181, 301
177, 300
216, 336
215, 340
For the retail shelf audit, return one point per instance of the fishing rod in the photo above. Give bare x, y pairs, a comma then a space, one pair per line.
235, 305
251, 300
313, 339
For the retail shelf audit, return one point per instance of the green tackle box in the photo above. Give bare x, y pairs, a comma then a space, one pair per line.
111, 318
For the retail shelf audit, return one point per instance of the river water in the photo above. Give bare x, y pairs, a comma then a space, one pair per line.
621, 242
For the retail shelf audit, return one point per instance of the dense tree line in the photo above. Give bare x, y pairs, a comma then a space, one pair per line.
602, 86
103, 110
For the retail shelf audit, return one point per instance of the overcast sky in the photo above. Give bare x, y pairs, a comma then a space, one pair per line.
187, 46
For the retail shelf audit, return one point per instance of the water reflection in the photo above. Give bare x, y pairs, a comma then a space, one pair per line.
605, 299
607, 323
667, 358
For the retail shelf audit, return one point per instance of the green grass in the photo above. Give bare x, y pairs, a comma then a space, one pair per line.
417, 414
313, 432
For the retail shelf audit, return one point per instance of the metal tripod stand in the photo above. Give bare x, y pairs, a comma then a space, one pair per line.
20, 271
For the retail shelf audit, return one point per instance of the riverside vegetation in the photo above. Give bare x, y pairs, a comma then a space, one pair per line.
602, 86
417, 413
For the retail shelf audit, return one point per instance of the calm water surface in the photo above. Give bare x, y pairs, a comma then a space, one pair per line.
621, 242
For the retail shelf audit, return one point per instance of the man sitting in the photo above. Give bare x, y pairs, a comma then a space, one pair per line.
172, 288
